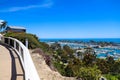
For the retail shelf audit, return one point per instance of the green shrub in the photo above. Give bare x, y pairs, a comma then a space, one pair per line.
33, 40
59, 67
88, 73
111, 77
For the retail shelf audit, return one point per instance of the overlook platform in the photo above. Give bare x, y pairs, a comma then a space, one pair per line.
10, 65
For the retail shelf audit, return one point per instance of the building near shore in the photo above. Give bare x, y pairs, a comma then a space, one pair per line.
15, 29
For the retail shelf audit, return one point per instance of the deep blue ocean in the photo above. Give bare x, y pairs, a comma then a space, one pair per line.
115, 40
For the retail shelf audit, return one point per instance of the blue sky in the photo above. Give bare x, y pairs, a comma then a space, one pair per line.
64, 18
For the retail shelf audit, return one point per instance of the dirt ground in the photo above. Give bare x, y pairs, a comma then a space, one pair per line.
44, 71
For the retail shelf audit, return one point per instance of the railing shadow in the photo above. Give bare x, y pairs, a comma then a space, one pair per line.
13, 63
14, 76
23, 74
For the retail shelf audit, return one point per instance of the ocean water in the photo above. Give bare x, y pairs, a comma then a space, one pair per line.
115, 40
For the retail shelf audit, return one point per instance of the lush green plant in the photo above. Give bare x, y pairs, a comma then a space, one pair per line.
89, 59
69, 71
88, 73
60, 67
111, 77
32, 39
103, 66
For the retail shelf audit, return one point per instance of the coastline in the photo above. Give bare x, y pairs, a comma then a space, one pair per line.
116, 40
101, 52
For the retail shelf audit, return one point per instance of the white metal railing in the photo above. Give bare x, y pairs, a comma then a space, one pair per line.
24, 55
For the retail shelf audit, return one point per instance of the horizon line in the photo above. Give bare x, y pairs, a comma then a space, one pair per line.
84, 38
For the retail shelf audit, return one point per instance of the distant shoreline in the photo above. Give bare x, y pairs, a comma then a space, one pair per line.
115, 40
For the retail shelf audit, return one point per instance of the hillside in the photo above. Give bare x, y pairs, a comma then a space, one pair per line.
44, 70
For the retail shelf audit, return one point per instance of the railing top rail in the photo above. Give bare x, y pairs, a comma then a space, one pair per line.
27, 63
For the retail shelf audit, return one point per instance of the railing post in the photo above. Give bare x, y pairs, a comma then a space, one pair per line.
8, 41
26, 43
3, 39
15, 44
20, 50
0, 37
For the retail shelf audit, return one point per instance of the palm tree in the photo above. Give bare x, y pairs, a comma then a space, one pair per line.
3, 24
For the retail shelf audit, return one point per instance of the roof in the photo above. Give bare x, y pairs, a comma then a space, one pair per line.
16, 27
1, 21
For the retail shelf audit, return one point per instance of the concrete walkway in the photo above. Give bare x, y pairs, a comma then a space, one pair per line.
10, 67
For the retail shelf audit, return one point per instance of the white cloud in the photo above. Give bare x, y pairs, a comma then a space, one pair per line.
47, 4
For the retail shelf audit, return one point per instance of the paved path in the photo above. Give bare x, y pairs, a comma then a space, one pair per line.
10, 67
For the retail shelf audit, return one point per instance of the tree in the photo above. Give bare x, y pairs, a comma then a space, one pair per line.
68, 50
69, 71
63, 55
89, 59
88, 73
103, 66
3, 25
116, 67
80, 55
111, 62
55, 46
89, 50
60, 67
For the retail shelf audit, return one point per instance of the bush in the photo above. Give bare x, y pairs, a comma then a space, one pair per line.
88, 73
69, 71
111, 77
32, 39
60, 67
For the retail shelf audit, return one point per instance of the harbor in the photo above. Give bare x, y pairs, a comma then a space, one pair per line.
101, 52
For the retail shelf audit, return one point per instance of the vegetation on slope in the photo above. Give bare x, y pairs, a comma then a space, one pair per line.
85, 65
33, 40
71, 66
